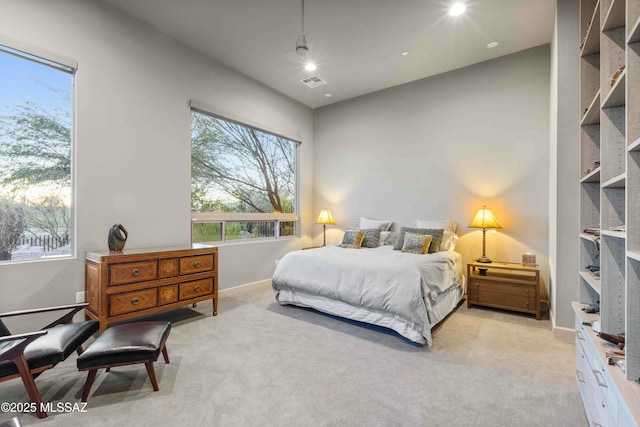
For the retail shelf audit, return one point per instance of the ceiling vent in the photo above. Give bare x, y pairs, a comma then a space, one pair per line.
313, 81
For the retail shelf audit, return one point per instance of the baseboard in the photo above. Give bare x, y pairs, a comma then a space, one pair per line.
567, 335
259, 282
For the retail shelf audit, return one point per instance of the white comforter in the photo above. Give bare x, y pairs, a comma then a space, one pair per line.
399, 287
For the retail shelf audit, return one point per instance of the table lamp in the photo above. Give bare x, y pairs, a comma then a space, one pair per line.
484, 219
325, 218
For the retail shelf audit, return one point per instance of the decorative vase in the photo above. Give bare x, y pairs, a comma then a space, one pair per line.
117, 238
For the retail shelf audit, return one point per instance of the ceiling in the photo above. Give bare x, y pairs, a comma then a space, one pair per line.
356, 44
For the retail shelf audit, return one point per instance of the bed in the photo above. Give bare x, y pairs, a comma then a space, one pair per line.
406, 292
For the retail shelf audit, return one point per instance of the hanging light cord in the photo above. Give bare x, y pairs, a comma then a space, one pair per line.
302, 17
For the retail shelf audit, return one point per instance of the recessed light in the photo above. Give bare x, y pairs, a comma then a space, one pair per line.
457, 9
328, 95
491, 45
405, 53
310, 66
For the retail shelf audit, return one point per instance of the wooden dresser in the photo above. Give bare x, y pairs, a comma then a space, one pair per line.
136, 282
504, 285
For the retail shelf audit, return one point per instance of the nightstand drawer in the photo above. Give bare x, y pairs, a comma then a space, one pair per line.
502, 300
503, 288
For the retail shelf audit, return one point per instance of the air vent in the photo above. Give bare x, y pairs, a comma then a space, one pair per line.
313, 81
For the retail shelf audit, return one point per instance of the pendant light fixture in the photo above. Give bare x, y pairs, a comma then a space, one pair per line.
302, 49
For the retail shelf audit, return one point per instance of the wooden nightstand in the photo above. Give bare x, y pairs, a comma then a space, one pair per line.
505, 285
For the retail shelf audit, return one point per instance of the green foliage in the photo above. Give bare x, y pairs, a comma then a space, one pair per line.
255, 169
12, 225
206, 232
35, 146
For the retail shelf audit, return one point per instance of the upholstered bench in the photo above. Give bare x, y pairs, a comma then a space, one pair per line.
127, 344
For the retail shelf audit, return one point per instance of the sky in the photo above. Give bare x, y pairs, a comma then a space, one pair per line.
22, 81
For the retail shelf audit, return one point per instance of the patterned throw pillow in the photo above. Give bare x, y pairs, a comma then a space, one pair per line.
415, 243
371, 237
352, 238
435, 234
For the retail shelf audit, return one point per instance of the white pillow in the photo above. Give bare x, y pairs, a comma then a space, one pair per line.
374, 223
449, 237
384, 235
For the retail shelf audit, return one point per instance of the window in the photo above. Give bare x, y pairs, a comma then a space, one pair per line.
36, 122
243, 181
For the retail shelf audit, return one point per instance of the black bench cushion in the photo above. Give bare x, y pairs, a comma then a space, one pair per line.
52, 348
128, 343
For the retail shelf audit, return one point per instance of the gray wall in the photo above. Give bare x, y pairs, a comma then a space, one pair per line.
441, 148
564, 163
133, 141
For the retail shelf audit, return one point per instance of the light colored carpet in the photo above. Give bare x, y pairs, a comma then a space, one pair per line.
261, 364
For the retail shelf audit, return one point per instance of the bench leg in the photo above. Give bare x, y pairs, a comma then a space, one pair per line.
87, 386
152, 375
165, 354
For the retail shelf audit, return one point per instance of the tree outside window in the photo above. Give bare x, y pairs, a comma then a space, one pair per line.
35, 157
243, 183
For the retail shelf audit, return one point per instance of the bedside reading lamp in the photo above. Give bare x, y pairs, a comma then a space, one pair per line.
325, 218
484, 219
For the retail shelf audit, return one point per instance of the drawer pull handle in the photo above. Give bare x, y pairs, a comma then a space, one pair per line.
599, 378
196, 288
580, 376
135, 301
580, 335
135, 272
196, 264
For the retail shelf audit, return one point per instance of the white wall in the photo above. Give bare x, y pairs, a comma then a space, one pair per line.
564, 164
442, 147
133, 141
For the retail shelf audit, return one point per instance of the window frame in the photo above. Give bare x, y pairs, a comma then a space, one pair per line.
69, 66
224, 217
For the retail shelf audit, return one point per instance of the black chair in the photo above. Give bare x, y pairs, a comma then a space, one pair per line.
27, 355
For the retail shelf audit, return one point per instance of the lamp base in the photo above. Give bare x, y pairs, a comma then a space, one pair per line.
484, 259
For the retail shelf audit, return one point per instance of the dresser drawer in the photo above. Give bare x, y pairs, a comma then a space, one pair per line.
196, 288
502, 300
133, 272
168, 268
167, 294
196, 264
128, 302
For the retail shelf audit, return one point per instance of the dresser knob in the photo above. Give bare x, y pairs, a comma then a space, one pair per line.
135, 272
135, 301
196, 288
197, 264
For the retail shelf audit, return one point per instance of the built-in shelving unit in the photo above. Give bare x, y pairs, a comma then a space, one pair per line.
609, 184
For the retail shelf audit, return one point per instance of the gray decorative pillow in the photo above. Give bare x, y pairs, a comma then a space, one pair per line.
435, 234
391, 240
415, 243
371, 237
352, 238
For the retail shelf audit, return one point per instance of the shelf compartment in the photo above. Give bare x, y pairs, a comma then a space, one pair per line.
592, 115
615, 16
634, 255
615, 97
616, 182
634, 146
593, 176
592, 280
634, 33
591, 42
615, 234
